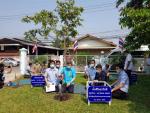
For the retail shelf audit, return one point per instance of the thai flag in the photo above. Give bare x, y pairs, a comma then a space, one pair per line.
75, 45
121, 43
34, 48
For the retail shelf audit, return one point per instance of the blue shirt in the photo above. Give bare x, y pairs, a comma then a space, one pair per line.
69, 74
91, 73
123, 78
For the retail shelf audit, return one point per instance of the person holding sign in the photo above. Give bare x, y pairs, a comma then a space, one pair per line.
99, 76
51, 75
128, 65
69, 74
121, 86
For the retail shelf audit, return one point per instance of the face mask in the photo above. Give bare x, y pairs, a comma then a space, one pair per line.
52, 65
57, 66
97, 71
118, 71
68, 67
91, 65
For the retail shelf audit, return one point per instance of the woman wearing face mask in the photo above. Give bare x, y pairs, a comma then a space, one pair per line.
121, 86
69, 74
51, 74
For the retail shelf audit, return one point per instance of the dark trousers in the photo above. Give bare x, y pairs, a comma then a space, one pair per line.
1, 84
119, 94
129, 75
69, 89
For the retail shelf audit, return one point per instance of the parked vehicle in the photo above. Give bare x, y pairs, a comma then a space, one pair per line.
117, 55
10, 62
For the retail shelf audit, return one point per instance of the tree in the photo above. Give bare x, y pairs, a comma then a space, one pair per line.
62, 22
46, 19
70, 18
135, 15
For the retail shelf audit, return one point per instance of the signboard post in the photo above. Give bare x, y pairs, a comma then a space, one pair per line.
98, 93
37, 81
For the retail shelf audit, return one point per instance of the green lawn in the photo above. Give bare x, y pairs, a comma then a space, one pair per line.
33, 100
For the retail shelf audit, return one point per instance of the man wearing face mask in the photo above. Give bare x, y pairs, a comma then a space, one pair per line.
59, 71
91, 71
69, 74
51, 74
58, 66
121, 86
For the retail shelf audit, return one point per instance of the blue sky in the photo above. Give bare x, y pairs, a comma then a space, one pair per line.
101, 18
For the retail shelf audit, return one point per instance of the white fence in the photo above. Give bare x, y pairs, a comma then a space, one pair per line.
80, 61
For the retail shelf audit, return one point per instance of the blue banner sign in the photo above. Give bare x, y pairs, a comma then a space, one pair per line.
38, 81
99, 94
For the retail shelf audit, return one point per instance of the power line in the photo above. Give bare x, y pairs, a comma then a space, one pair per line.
103, 10
106, 5
16, 15
109, 31
99, 5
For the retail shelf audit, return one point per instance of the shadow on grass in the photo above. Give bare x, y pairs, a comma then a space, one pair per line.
139, 95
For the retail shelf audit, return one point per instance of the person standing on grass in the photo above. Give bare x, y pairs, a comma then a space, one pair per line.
43, 67
147, 64
91, 72
58, 65
128, 65
121, 86
107, 69
36, 68
60, 69
29, 70
69, 75
86, 69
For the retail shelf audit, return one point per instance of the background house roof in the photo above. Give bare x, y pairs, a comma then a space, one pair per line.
94, 37
25, 42
93, 42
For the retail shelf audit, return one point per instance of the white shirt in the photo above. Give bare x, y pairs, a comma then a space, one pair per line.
148, 61
123, 78
51, 75
128, 58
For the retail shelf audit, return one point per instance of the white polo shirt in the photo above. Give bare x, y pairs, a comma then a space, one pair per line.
148, 61
128, 58
52, 75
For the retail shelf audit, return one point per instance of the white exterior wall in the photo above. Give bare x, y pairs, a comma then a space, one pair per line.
91, 43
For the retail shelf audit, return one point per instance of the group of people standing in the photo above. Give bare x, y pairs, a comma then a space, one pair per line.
95, 72
55, 74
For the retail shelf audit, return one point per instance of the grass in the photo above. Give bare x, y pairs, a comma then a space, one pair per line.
33, 100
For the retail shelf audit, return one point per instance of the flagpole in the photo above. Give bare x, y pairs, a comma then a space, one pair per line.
75, 46
37, 52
